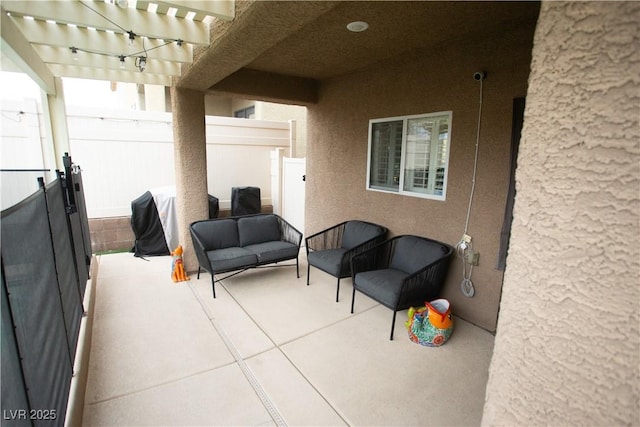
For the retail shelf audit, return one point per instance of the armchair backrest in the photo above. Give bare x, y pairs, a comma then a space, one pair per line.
412, 253
359, 232
216, 233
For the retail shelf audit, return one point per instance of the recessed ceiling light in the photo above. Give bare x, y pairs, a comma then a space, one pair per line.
357, 26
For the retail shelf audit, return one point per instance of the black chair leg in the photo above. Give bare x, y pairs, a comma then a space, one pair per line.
213, 285
297, 268
308, 268
353, 299
198, 272
338, 290
393, 325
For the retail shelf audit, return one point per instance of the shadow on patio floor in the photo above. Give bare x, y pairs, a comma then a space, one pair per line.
269, 350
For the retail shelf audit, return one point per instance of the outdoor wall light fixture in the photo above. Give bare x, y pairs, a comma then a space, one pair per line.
357, 26
132, 37
74, 52
122, 58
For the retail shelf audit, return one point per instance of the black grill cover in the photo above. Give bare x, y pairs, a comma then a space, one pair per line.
147, 228
214, 207
245, 201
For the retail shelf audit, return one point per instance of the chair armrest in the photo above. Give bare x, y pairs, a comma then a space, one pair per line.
289, 233
369, 244
330, 238
373, 258
201, 252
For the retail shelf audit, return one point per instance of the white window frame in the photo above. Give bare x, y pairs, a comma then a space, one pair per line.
403, 159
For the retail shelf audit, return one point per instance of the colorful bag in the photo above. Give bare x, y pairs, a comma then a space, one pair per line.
431, 325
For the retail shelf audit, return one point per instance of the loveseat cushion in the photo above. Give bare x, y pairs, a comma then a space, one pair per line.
386, 285
216, 234
231, 259
258, 229
273, 251
412, 254
331, 261
358, 232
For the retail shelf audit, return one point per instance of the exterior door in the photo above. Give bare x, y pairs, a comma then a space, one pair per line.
293, 191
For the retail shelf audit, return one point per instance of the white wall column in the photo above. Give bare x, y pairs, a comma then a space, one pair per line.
190, 151
55, 114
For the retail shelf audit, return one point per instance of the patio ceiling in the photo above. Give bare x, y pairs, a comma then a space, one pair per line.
283, 50
269, 50
42, 36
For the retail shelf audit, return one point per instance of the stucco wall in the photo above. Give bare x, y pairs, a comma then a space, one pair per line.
567, 349
431, 80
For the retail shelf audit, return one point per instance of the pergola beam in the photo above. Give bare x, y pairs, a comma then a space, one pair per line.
110, 75
20, 51
113, 18
57, 55
222, 9
63, 36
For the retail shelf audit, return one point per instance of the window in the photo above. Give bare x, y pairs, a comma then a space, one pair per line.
409, 155
245, 113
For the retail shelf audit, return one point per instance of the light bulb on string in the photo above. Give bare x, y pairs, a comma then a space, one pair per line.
142, 63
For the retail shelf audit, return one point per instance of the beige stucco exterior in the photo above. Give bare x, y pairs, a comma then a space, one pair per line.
427, 81
190, 156
567, 349
565, 311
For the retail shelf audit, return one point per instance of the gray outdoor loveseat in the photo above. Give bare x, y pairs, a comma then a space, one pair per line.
239, 243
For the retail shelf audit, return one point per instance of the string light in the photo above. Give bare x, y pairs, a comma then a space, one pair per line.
141, 63
140, 57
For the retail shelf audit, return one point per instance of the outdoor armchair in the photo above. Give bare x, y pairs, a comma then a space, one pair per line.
331, 250
402, 272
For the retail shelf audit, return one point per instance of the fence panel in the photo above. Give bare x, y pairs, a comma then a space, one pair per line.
28, 263
124, 154
14, 391
43, 238
68, 279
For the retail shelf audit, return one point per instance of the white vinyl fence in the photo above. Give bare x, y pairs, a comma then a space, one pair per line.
125, 153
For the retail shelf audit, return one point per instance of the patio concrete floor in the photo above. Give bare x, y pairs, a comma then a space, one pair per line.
269, 350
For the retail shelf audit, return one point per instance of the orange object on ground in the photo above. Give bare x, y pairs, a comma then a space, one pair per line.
177, 267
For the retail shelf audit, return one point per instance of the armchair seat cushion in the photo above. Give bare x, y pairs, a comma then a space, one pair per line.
231, 258
384, 285
330, 261
269, 252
